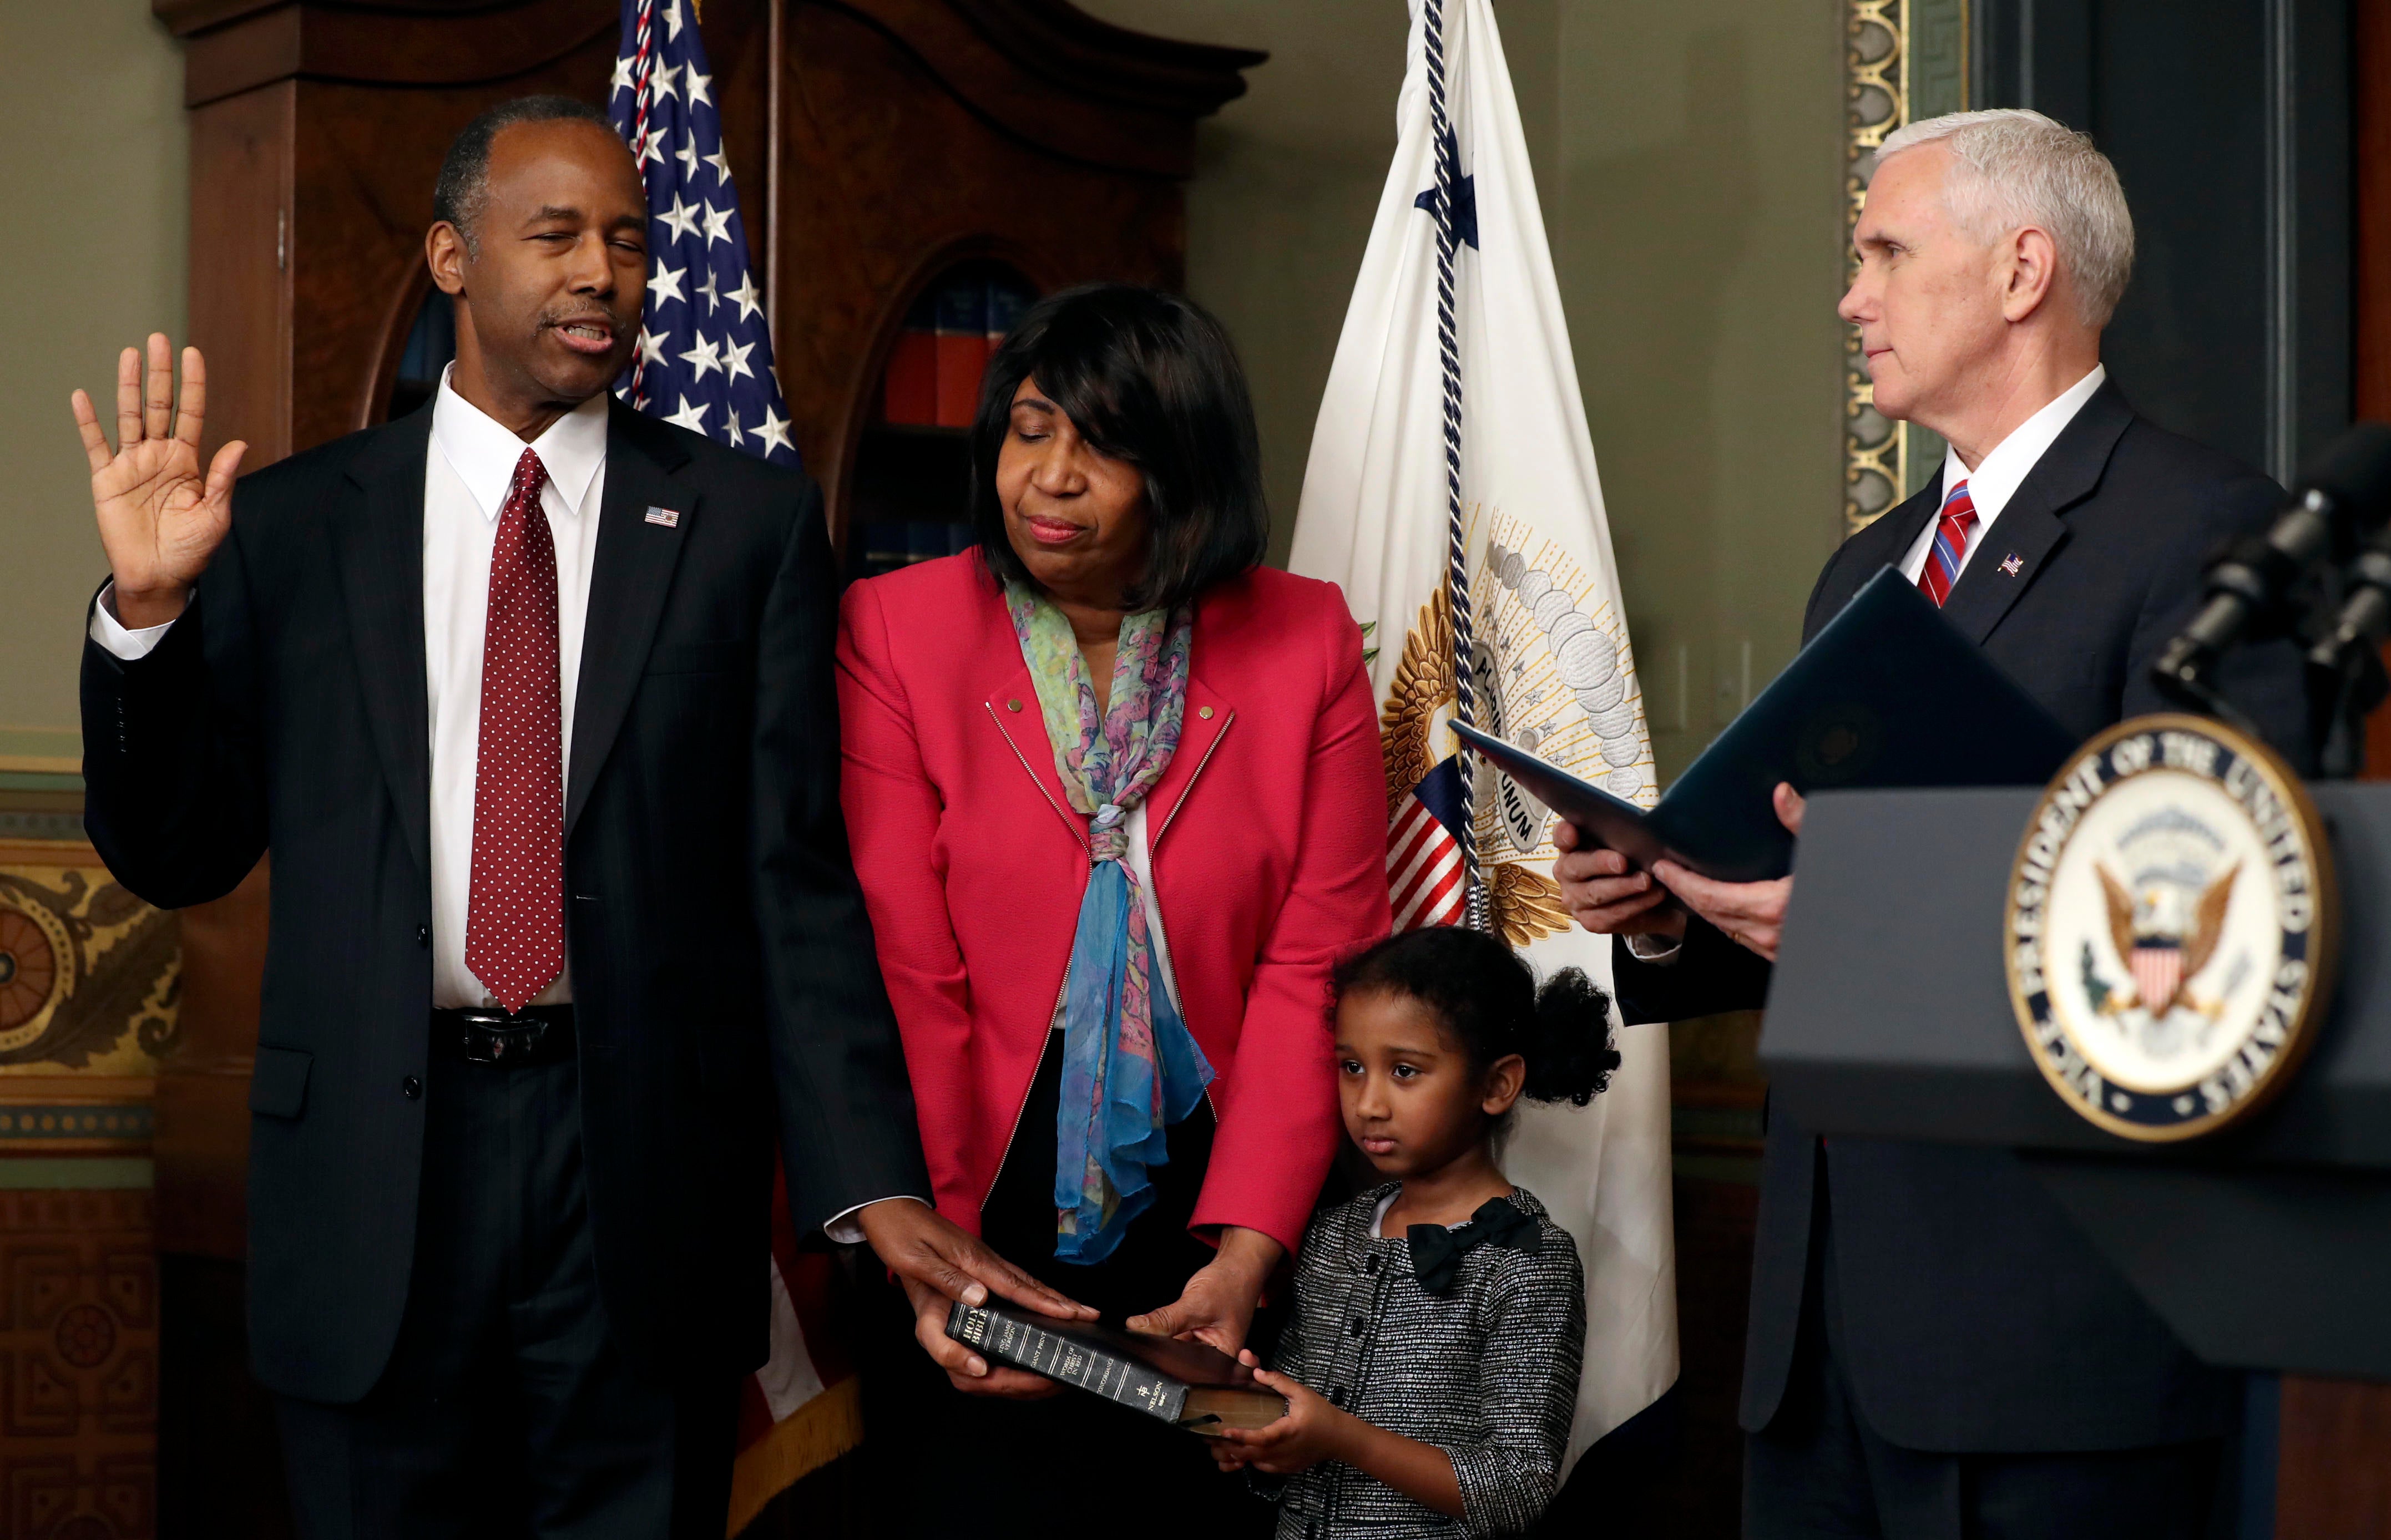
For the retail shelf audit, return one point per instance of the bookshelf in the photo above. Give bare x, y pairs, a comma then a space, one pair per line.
910, 499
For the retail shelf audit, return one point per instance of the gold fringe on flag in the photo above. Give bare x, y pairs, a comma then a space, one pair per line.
800, 1443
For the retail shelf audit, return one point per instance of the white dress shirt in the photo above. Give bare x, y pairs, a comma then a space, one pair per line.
1996, 481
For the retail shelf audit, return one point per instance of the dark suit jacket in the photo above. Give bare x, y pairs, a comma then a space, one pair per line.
722, 964
1976, 1316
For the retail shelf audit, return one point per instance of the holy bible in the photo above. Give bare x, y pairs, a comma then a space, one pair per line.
1199, 1387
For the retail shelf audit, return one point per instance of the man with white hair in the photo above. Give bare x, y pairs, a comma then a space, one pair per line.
1934, 1349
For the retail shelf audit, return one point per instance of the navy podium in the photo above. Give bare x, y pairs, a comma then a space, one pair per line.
2265, 1246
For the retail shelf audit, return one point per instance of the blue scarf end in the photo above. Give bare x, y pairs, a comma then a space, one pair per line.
1103, 1155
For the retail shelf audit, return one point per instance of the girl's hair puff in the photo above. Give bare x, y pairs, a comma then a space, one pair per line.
1488, 1001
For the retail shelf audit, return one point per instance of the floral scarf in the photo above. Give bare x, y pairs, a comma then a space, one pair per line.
1130, 1068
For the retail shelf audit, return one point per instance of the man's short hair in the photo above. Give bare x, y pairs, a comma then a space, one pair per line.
2012, 167
464, 183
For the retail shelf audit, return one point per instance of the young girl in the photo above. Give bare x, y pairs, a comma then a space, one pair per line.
1430, 1369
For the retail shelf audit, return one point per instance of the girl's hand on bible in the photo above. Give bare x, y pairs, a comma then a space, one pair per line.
1216, 1306
1229, 1456
1311, 1430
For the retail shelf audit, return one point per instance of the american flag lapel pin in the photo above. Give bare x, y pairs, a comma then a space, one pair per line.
670, 518
2011, 564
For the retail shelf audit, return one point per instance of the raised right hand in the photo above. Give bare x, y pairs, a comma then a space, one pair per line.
158, 521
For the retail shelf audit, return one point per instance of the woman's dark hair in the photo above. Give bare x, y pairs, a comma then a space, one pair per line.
1151, 378
1486, 996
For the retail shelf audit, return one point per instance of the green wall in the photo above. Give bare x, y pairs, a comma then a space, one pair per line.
1699, 239
94, 177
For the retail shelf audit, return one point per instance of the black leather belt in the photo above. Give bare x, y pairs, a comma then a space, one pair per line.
537, 1034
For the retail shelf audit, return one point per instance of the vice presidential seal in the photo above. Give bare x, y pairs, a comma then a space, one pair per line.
2171, 927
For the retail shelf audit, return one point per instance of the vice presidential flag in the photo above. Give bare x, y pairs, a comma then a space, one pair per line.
705, 348
1452, 492
706, 363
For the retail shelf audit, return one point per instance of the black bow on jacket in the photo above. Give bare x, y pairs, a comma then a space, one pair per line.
1436, 1250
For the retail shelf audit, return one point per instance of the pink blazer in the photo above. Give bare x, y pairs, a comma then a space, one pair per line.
1269, 841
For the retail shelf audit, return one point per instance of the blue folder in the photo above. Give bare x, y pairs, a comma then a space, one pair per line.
1887, 694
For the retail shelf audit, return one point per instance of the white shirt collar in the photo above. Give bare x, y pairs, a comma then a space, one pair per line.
1996, 479
483, 453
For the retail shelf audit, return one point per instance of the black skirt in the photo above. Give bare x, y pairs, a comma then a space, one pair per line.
945, 1463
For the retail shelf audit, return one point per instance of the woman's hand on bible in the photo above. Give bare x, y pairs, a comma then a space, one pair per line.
1216, 1306
1311, 1430
939, 1262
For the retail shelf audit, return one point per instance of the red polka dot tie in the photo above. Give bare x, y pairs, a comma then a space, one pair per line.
1950, 547
514, 924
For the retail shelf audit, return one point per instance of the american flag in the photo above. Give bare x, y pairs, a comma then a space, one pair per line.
1425, 870
705, 362
1452, 492
705, 349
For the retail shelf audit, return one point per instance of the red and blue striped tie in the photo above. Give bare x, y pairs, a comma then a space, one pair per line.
1943, 558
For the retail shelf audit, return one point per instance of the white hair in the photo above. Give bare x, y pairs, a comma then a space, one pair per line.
2011, 168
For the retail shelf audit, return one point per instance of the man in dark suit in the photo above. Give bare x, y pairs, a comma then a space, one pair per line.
530, 696
1935, 1350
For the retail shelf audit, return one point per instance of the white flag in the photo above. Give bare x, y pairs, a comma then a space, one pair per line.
1552, 666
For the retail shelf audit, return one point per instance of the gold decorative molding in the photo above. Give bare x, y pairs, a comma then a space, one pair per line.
1900, 58
1875, 90
90, 981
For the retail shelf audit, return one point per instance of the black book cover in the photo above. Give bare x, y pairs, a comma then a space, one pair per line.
1192, 1384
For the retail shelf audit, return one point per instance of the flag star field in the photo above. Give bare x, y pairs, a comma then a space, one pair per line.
704, 358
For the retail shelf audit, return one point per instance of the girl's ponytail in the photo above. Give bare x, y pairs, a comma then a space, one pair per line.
1567, 1046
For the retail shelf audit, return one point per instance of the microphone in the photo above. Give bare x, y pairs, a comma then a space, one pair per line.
2365, 617
2346, 493
2345, 674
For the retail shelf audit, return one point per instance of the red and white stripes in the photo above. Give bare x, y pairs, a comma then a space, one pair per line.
1425, 875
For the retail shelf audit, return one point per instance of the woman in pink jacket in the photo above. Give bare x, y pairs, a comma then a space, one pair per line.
1117, 804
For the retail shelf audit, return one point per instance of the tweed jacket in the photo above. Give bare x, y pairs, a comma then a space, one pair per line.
1487, 1372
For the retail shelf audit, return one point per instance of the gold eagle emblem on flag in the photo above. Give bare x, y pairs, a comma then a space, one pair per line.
1524, 904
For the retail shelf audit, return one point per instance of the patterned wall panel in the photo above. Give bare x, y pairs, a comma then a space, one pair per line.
78, 1364
89, 985
87, 971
